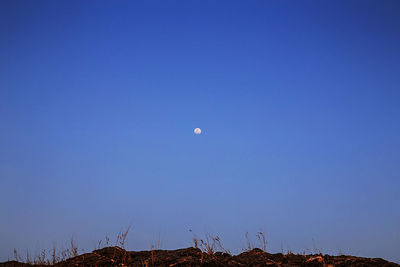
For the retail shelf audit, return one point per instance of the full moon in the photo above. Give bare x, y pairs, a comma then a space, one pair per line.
197, 131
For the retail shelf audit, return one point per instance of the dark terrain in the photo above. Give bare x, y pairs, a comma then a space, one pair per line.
116, 256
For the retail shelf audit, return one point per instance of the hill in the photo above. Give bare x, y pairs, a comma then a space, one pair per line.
116, 256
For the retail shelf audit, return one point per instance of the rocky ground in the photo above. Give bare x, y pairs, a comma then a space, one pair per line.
116, 256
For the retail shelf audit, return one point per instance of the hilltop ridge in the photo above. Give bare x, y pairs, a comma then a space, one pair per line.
116, 256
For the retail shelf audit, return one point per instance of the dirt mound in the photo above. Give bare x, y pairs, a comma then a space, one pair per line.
116, 256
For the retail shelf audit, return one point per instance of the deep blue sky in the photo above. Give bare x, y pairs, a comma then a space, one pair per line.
299, 104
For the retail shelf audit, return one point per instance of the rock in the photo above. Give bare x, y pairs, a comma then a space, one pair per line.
116, 256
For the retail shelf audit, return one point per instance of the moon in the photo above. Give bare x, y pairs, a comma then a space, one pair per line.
197, 131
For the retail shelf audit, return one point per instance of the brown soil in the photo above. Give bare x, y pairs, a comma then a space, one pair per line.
115, 256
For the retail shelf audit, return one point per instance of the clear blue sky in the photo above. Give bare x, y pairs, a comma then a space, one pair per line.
299, 104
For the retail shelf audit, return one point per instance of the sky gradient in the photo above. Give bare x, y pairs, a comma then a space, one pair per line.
298, 101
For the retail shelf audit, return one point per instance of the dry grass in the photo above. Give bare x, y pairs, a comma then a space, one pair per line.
209, 244
156, 245
120, 242
121, 237
50, 257
102, 244
71, 250
261, 242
